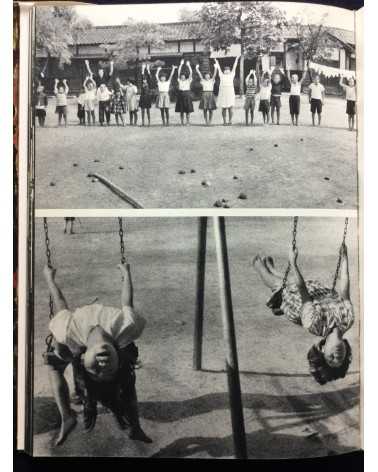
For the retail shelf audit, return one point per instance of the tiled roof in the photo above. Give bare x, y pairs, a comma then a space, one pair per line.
180, 31
110, 34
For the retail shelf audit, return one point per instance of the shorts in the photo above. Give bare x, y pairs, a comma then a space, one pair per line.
40, 112
351, 107
61, 110
249, 103
316, 105
294, 104
275, 102
163, 100
264, 106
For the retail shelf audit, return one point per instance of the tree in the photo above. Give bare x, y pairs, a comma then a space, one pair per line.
187, 14
57, 28
135, 41
255, 26
311, 39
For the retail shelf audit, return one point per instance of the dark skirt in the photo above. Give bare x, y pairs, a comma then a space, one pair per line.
264, 106
294, 104
184, 102
351, 107
207, 101
145, 101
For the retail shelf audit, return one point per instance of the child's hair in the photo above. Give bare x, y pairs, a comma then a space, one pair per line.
321, 370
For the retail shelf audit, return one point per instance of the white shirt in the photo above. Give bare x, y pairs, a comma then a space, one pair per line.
184, 85
265, 92
103, 95
316, 91
207, 85
350, 92
295, 89
164, 86
72, 328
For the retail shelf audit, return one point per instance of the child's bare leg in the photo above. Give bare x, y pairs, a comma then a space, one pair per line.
269, 279
210, 116
135, 117
344, 275
313, 119
230, 115
188, 118
143, 113
278, 115
167, 116
131, 117
93, 116
116, 116
182, 118
352, 122
224, 111
292, 118
246, 117
162, 112
148, 116
296, 119
61, 395
272, 114
319, 118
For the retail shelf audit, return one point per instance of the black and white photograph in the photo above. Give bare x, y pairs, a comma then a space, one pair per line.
195, 105
196, 337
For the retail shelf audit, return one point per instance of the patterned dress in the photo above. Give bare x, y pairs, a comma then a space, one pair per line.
326, 310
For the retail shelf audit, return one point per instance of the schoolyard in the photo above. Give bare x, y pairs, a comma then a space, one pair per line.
194, 166
287, 414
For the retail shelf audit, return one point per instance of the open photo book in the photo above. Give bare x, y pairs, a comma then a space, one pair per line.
188, 181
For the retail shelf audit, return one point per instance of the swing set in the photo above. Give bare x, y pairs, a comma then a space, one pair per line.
231, 354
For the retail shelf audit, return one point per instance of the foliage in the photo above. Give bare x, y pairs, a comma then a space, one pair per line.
187, 14
56, 29
256, 26
312, 40
133, 43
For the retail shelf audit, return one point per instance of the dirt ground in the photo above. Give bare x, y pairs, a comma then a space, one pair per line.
276, 166
287, 414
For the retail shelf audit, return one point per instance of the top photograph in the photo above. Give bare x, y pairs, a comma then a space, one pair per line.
195, 105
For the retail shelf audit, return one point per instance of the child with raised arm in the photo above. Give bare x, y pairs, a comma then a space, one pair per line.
316, 95
61, 93
226, 96
277, 82
81, 106
118, 107
163, 98
207, 103
103, 76
90, 99
250, 96
103, 97
100, 341
184, 104
295, 95
264, 94
145, 100
320, 310
350, 95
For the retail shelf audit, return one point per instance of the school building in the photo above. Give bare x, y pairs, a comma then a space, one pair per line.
182, 41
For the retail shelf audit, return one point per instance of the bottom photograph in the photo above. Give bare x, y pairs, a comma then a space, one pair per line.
205, 337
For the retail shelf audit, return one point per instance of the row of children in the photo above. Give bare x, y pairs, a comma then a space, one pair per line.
268, 87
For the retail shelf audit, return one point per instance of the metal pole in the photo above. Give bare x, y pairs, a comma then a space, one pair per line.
200, 293
232, 367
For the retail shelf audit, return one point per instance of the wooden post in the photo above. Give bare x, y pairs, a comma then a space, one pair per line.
200, 293
232, 367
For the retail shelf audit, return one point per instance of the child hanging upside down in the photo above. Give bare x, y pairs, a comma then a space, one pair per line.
319, 309
99, 342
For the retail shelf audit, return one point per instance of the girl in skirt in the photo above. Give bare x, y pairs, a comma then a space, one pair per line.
295, 95
184, 104
118, 107
90, 99
319, 309
131, 97
250, 96
350, 95
163, 98
207, 103
145, 100
226, 96
264, 93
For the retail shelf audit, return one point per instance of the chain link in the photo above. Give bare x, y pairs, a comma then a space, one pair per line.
49, 338
122, 244
294, 245
336, 276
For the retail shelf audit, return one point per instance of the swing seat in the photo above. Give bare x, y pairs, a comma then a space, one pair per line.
275, 302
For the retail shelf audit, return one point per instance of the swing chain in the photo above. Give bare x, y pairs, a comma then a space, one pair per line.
122, 244
294, 245
336, 276
49, 338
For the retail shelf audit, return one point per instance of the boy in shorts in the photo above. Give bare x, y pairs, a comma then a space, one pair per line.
99, 342
276, 92
316, 95
61, 93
